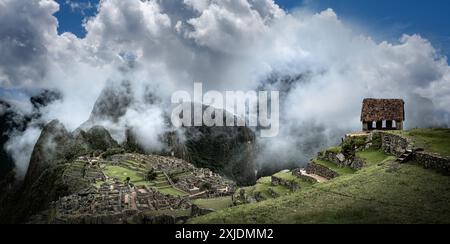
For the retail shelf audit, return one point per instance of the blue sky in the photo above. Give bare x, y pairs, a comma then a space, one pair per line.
383, 19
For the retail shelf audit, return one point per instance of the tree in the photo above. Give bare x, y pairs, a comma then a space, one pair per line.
151, 175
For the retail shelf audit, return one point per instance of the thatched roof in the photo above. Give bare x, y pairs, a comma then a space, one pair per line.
382, 109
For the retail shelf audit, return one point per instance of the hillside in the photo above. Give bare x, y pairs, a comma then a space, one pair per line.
383, 191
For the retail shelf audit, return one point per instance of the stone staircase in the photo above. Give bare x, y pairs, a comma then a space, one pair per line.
406, 156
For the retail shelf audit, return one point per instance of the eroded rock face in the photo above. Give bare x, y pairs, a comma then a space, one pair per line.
97, 138
113, 102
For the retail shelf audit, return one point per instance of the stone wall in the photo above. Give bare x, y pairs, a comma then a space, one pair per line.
320, 170
357, 163
292, 185
340, 160
298, 173
394, 144
433, 161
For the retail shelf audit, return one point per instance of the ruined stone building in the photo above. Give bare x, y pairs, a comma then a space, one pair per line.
382, 114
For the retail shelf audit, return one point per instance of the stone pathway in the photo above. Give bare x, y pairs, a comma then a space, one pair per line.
319, 179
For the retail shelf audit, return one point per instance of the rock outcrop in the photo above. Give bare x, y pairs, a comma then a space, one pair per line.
54, 144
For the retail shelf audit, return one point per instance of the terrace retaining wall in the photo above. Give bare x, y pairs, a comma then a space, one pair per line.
320, 170
433, 161
291, 185
394, 144
340, 160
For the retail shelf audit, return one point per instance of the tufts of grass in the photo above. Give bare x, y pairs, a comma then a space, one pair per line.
334, 149
372, 156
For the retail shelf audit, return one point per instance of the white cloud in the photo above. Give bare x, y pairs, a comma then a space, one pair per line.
20, 148
80, 7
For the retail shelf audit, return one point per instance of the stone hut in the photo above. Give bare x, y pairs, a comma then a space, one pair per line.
382, 114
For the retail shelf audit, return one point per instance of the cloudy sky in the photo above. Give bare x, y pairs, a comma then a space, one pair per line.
388, 19
343, 51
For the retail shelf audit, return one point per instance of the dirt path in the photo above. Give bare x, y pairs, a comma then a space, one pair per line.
319, 178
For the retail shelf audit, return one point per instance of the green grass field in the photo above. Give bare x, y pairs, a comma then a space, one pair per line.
122, 174
382, 192
372, 157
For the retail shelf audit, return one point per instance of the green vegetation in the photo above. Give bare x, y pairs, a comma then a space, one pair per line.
172, 191
340, 170
214, 203
372, 157
376, 141
379, 193
334, 149
432, 140
121, 174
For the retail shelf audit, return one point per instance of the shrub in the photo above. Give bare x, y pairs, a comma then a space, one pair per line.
205, 186
376, 141
151, 175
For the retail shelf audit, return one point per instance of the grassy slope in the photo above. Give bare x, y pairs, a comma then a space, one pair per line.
289, 177
215, 203
382, 192
372, 157
433, 140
